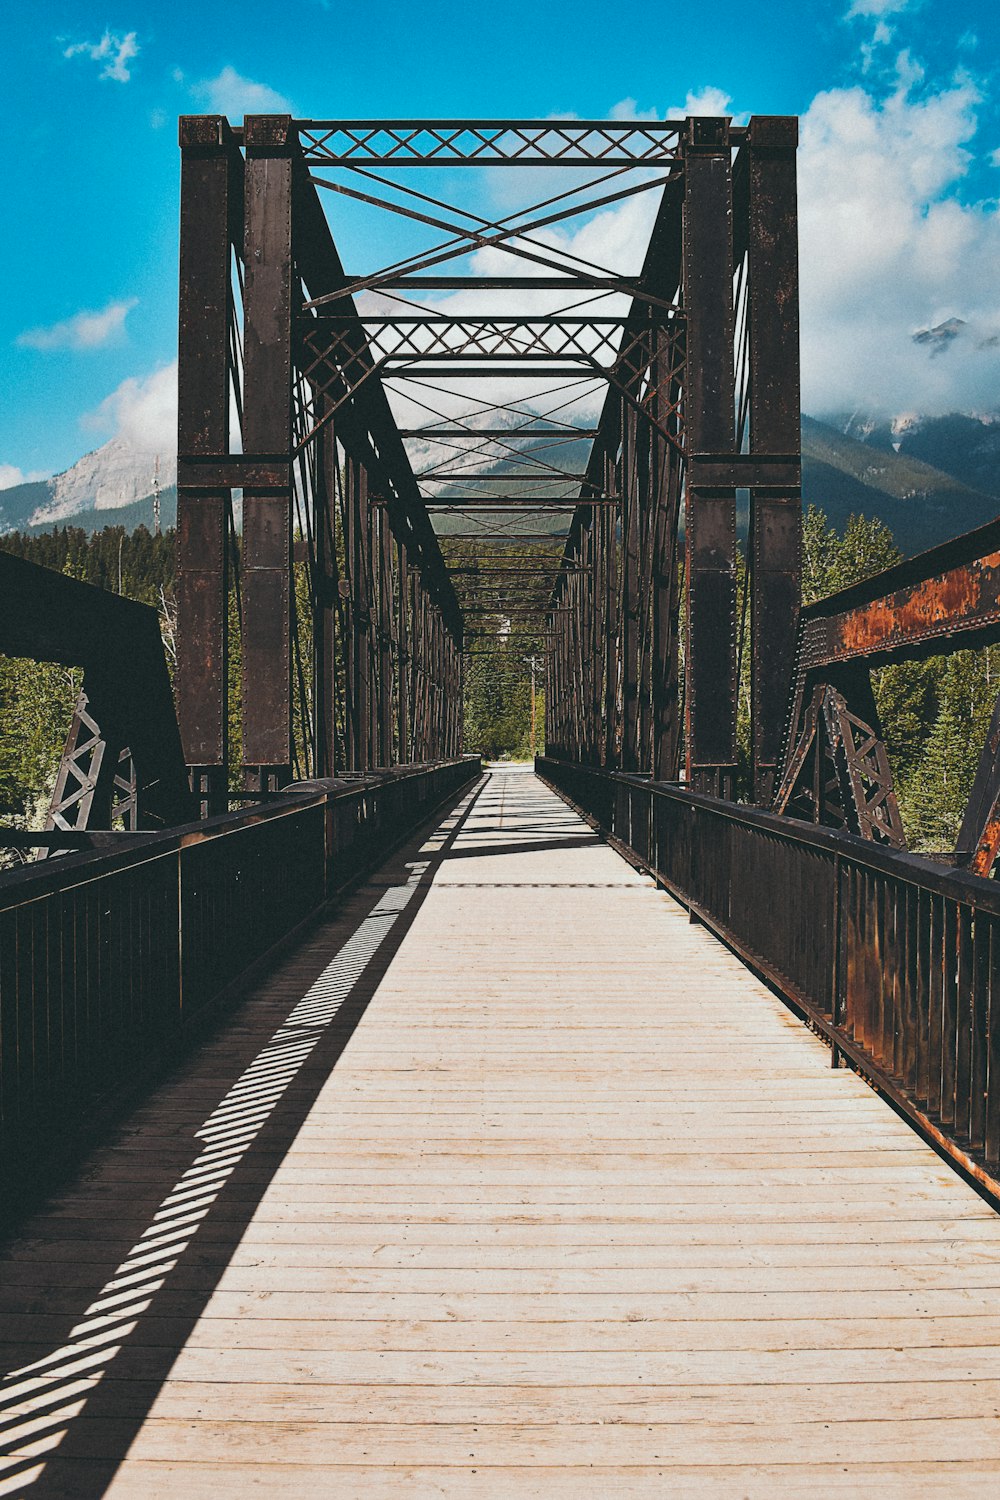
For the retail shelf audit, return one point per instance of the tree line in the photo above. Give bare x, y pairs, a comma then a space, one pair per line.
934, 714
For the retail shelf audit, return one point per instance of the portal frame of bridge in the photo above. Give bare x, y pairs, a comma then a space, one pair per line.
701, 376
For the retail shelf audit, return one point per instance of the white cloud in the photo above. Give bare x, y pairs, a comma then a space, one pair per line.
876, 8
704, 101
115, 52
235, 96
10, 475
889, 247
142, 412
85, 330
628, 109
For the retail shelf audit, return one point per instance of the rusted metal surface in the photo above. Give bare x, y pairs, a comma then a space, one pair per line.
943, 599
267, 428
839, 773
930, 605
979, 836
767, 161
710, 527
891, 957
211, 232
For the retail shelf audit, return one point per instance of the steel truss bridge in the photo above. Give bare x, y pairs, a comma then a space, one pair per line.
370, 1122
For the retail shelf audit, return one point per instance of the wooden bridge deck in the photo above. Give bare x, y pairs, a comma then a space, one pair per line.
509, 1182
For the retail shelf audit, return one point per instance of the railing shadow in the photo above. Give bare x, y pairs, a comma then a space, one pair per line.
88, 1345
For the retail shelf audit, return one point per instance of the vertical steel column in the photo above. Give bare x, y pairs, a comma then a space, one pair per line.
611, 661
439, 678
267, 566
385, 756
629, 613
582, 561
666, 481
362, 619
370, 535
324, 633
403, 660
644, 752
710, 529
775, 431
351, 637
597, 590
419, 639
211, 211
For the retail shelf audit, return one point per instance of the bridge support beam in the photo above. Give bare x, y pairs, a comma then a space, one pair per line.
267, 430
211, 218
775, 550
710, 529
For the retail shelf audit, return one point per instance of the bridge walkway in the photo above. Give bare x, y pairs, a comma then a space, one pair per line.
508, 1182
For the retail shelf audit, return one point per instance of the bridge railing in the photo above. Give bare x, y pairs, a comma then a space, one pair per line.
109, 961
895, 959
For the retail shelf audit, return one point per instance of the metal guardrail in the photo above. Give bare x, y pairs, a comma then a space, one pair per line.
894, 959
107, 961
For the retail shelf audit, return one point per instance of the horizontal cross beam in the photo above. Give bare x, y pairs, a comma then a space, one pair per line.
933, 603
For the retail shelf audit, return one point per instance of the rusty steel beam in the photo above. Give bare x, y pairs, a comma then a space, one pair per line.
710, 527
211, 223
775, 544
268, 299
942, 600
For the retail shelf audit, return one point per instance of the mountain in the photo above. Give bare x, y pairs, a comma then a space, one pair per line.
113, 486
497, 458
927, 478
885, 475
968, 448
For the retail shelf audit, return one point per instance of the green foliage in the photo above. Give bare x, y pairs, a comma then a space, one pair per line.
497, 670
831, 561
36, 706
935, 778
138, 565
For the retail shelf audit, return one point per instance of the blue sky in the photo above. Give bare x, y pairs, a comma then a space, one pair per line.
899, 168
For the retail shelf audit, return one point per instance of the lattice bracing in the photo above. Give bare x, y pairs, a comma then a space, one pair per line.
477, 143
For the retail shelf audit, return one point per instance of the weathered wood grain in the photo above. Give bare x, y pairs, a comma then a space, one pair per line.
544, 1196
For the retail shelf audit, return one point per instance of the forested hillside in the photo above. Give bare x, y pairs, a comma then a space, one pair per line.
935, 714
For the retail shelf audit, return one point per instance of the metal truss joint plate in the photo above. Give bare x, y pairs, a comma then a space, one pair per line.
708, 133
272, 134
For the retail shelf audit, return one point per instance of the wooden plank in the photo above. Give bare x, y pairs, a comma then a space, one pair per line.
559, 1199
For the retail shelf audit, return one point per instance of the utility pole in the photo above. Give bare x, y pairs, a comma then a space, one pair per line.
156, 497
532, 662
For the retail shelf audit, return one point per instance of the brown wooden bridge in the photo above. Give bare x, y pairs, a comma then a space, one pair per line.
371, 1122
